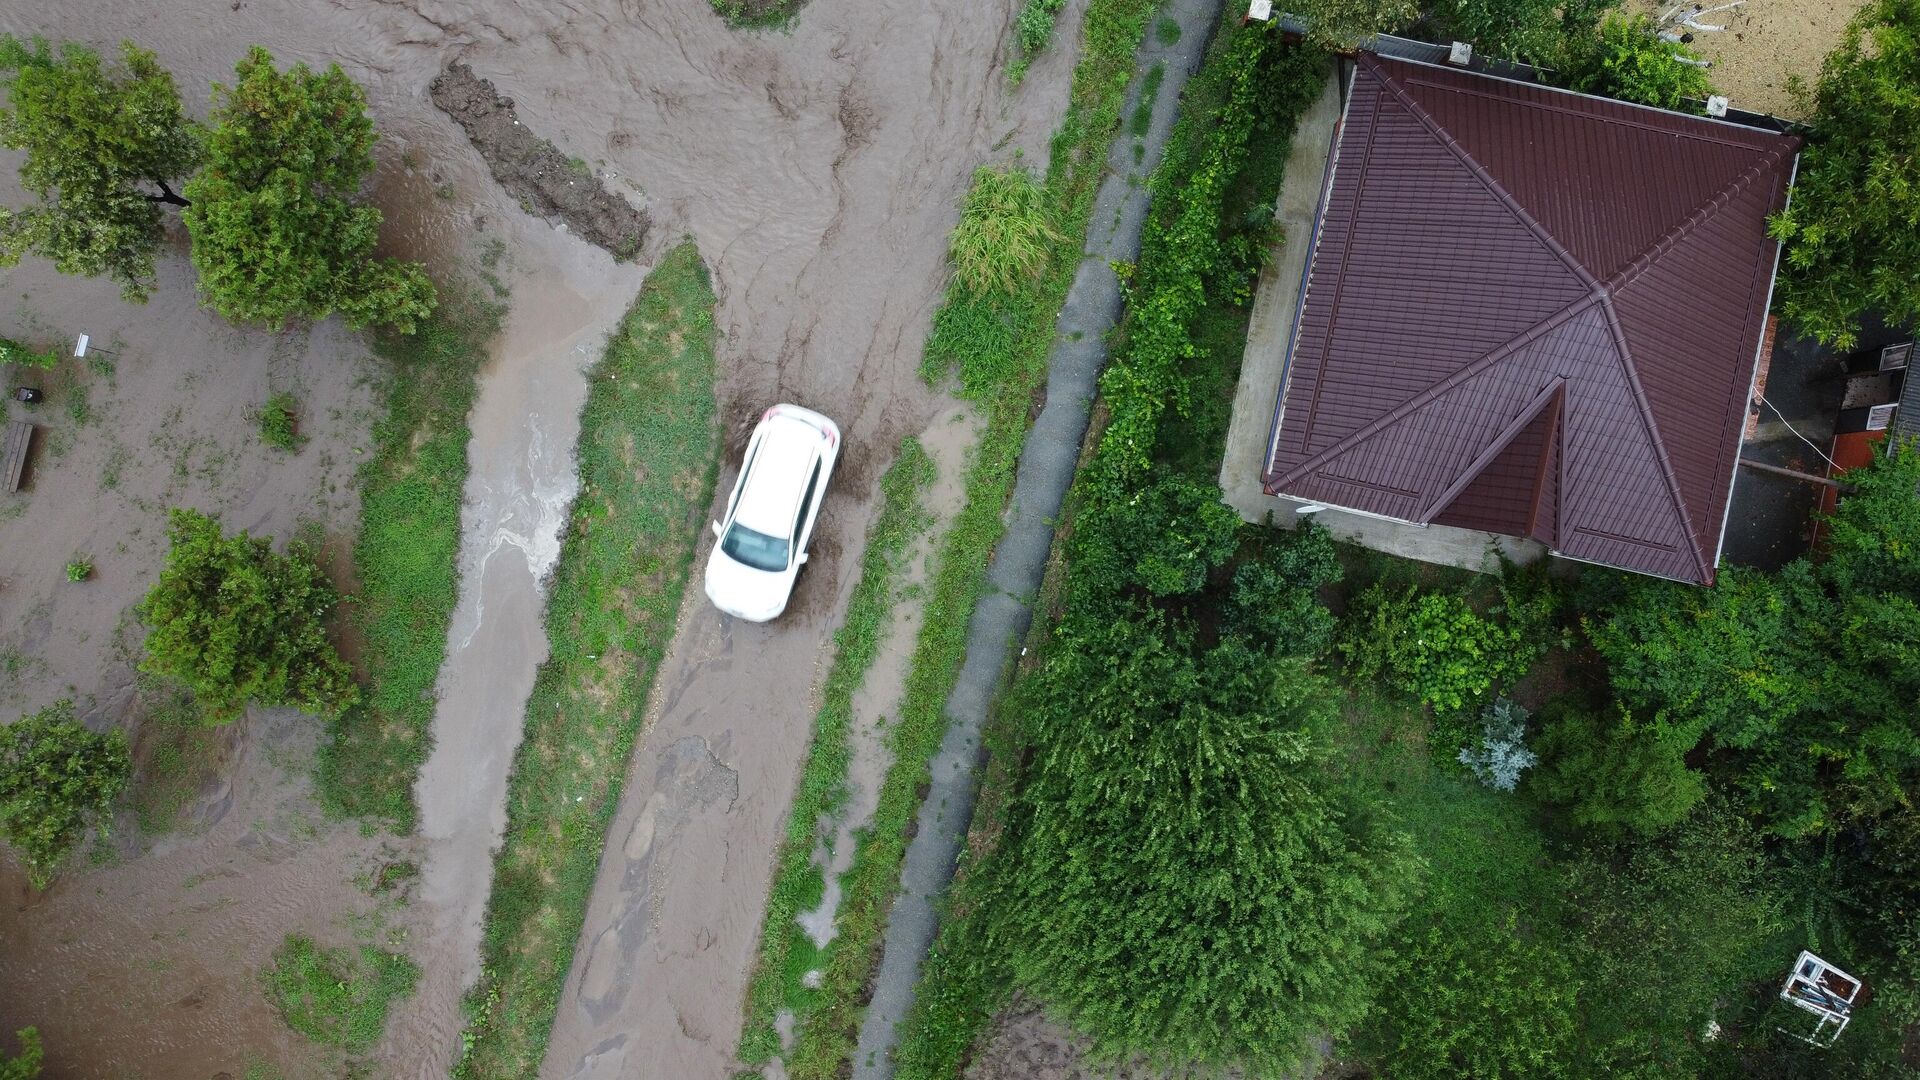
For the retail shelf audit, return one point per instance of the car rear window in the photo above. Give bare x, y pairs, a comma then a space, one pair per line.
755, 549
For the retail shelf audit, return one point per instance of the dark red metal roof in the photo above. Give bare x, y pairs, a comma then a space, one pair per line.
1535, 313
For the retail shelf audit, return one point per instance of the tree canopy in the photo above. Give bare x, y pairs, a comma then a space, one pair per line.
1852, 233
97, 138
278, 233
237, 623
1185, 883
56, 779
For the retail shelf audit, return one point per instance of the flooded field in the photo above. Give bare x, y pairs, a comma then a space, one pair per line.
818, 169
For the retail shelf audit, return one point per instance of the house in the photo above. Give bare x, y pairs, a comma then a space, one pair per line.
1531, 313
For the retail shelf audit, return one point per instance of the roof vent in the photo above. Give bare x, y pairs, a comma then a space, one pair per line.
1461, 53
1716, 106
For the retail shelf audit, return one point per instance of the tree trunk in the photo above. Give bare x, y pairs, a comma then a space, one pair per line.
167, 195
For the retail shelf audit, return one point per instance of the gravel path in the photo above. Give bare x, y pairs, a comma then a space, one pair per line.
1001, 618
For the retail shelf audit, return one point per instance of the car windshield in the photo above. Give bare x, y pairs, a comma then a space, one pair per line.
755, 549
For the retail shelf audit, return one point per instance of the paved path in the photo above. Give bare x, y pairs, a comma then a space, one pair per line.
1047, 462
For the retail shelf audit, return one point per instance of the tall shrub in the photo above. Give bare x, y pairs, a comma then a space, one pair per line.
56, 780
237, 623
1852, 233
1180, 881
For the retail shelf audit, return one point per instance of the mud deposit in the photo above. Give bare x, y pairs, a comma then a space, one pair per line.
1022, 1044
819, 170
533, 169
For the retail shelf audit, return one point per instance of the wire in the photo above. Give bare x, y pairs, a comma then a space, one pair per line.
1796, 432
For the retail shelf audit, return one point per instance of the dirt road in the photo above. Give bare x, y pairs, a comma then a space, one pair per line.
820, 171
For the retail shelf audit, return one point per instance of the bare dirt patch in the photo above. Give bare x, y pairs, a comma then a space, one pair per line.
534, 170
1765, 43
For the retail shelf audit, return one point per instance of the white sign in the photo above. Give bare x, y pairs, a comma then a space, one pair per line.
1260, 9
80, 347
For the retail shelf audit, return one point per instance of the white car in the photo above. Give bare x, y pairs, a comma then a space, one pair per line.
770, 515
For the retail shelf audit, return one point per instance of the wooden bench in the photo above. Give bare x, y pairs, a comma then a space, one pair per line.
19, 439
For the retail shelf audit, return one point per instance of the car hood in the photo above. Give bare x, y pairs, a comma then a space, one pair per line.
743, 592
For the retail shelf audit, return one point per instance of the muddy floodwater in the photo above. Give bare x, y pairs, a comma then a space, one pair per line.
819, 170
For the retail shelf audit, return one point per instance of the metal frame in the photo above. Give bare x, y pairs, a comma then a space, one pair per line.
1809, 988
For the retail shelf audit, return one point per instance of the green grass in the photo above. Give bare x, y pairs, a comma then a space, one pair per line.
177, 754
277, 422
337, 997
786, 952
405, 556
648, 447
996, 343
1142, 117
757, 14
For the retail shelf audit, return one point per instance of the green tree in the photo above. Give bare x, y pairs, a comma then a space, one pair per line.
1852, 234
237, 623
1615, 774
1662, 932
1342, 24
1538, 30
1474, 998
1275, 600
1180, 880
97, 138
1626, 59
56, 779
1162, 539
26, 1065
277, 233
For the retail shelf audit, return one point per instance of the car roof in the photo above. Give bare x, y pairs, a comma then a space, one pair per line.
777, 476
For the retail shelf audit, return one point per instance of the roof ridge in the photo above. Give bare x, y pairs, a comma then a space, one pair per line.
1420, 400
1720, 200
1652, 427
1479, 171
1523, 419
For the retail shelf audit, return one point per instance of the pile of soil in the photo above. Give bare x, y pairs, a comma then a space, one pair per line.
533, 169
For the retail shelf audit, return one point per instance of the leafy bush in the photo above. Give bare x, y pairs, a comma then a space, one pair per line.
12, 352
1275, 599
94, 136
26, 1065
1502, 754
237, 623
337, 996
56, 780
1852, 234
1162, 539
1475, 998
1342, 24
277, 422
1627, 60
277, 233
1178, 879
1004, 235
79, 568
1432, 646
1032, 29
1616, 774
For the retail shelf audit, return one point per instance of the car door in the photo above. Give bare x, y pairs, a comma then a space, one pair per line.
803, 521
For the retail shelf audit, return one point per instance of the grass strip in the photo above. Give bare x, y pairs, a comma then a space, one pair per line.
997, 342
406, 556
648, 446
786, 952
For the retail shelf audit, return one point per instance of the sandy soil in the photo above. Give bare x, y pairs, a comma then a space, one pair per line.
1764, 43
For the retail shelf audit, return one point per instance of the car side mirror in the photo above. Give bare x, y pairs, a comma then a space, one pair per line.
803, 558
716, 530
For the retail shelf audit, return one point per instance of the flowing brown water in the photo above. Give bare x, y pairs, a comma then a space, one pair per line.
820, 171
